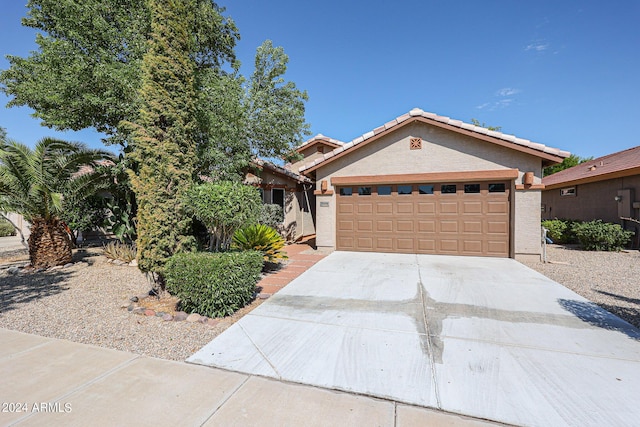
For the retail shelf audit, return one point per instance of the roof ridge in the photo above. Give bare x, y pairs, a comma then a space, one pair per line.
418, 112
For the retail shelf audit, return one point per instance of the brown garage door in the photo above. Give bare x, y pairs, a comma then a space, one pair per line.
470, 218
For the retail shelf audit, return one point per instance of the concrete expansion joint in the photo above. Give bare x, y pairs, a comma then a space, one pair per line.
20, 353
432, 364
232, 394
264, 356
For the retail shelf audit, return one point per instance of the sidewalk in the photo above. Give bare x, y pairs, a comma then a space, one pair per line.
49, 382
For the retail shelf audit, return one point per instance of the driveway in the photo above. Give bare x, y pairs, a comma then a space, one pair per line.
484, 337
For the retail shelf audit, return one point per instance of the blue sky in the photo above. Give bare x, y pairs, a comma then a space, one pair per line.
561, 73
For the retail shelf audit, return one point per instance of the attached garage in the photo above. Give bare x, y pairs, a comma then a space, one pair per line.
423, 183
467, 218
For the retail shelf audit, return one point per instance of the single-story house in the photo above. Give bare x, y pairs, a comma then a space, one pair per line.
424, 183
291, 191
606, 188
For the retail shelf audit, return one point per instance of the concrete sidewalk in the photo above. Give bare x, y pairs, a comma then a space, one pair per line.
49, 382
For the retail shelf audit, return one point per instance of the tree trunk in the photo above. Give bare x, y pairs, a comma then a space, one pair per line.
49, 243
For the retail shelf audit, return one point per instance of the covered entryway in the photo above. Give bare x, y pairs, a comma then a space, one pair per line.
449, 218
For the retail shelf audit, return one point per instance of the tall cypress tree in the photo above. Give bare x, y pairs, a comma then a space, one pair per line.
163, 138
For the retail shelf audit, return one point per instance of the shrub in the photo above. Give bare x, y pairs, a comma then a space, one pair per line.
6, 229
561, 230
271, 215
223, 207
213, 284
602, 236
263, 239
120, 251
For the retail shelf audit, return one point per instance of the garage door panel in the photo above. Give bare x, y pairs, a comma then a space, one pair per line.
449, 226
405, 225
383, 226
462, 223
405, 244
384, 208
474, 227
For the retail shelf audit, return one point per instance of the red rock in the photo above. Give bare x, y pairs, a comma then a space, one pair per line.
149, 312
213, 322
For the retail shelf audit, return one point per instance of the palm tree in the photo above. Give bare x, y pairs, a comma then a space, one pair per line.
32, 183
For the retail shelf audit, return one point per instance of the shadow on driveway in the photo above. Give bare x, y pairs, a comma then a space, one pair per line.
597, 316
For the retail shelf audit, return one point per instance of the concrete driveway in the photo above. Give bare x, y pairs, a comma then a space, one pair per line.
483, 337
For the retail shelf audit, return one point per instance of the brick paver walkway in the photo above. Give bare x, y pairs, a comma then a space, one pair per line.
301, 258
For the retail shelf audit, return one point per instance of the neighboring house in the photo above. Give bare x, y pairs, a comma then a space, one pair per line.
605, 188
19, 221
423, 183
291, 191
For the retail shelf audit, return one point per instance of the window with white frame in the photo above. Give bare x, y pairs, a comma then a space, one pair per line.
277, 197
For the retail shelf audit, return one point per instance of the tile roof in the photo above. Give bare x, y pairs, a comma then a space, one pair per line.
622, 163
319, 138
418, 113
281, 170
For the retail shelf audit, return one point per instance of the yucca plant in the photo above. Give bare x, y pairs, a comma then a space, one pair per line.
32, 183
261, 238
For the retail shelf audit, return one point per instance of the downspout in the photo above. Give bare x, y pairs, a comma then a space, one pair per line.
306, 198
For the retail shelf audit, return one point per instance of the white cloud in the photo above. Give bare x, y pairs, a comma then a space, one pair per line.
483, 106
538, 47
507, 91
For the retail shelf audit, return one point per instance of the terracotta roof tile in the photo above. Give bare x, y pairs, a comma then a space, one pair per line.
598, 169
283, 171
416, 112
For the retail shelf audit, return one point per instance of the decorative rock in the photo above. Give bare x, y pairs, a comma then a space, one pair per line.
193, 317
57, 267
118, 262
133, 263
203, 319
13, 270
138, 310
134, 299
149, 312
160, 313
213, 322
263, 295
167, 317
180, 316
70, 264
131, 307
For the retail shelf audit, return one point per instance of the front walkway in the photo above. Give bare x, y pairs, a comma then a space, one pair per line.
301, 257
49, 382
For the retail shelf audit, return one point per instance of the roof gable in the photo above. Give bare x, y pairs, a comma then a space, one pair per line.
320, 139
550, 154
616, 165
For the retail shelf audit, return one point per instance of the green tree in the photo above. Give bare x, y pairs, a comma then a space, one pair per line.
87, 69
476, 122
223, 207
3, 134
32, 183
567, 163
163, 149
240, 120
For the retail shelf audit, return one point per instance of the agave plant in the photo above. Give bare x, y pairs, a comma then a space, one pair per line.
261, 238
32, 183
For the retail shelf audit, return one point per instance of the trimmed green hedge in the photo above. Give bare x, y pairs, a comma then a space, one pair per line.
561, 230
213, 284
602, 236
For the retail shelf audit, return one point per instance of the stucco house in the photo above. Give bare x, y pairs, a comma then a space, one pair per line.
291, 191
424, 183
606, 188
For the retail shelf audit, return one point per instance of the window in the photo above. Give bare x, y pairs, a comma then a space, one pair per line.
425, 189
320, 149
384, 190
404, 189
364, 191
345, 191
277, 197
497, 188
571, 192
472, 188
448, 189
261, 190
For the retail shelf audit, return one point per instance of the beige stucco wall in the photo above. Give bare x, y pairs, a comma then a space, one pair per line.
20, 222
298, 219
442, 151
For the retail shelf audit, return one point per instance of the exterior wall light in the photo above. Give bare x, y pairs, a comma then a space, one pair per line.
618, 198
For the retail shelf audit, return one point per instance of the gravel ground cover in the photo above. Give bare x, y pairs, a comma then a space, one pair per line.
87, 303
609, 279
